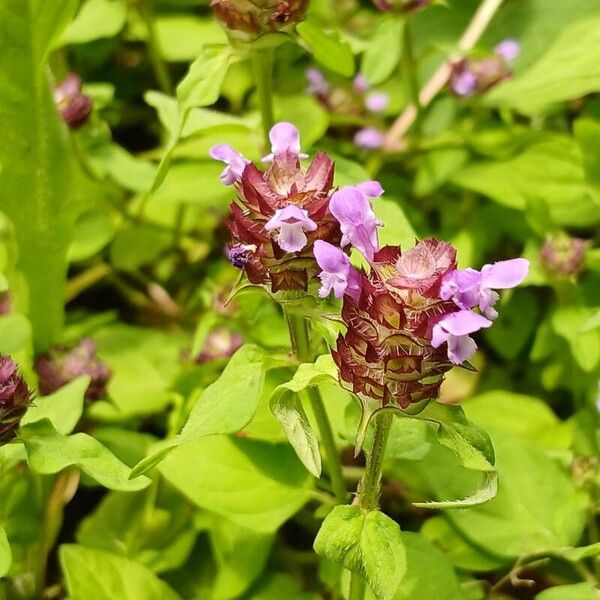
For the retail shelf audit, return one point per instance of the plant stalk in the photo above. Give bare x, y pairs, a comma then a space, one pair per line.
299, 335
262, 64
159, 66
367, 496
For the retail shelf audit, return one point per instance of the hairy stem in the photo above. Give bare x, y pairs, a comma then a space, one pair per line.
262, 63
367, 496
299, 335
480, 21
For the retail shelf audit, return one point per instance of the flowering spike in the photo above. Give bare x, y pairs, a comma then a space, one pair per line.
337, 273
357, 220
235, 162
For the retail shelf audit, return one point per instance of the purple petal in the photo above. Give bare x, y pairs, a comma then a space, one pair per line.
464, 83
371, 189
461, 348
235, 162
317, 84
291, 221
291, 238
377, 102
284, 138
360, 84
337, 272
454, 329
508, 49
368, 138
463, 322
463, 287
330, 258
504, 274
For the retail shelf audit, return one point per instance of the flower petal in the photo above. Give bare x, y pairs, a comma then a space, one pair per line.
508, 49
291, 238
504, 274
284, 138
463, 322
371, 189
461, 348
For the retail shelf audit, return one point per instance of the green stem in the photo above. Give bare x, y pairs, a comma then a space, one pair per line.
412, 72
159, 66
300, 337
367, 496
262, 63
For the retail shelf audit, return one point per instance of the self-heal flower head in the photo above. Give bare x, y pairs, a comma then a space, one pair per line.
368, 138
357, 220
291, 223
469, 288
285, 138
508, 49
235, 162
337, 273
317, 83
377, 101
15, 397
454, 329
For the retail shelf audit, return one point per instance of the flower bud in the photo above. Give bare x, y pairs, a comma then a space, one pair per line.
15, 397
63, 364
73, 106
563, 256
258, 16
220, 343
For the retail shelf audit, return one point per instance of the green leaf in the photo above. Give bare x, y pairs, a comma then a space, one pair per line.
306, 113
570, 323
568, 69
49, 452
587, 133
398, 229
384, 50
288, 410
15, 333
38, 177
225, 406
63, 408
577, 591
137, 246
5, 553
96, 19
92, 574
365, 542
327, 48
255, 484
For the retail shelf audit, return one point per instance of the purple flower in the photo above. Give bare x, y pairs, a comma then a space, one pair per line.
469, 288
377, 101
358, 223
337, 273
317, 84
284, 138
14, 398
369, 138
291, 223
360, 84
508, 49
239, 254
464, 82
74, 107
454, 329
220, 343
235, 162
370, 189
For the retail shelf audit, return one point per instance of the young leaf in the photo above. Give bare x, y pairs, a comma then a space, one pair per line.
486, 491
5, 553
576, 591
327, 48
383, 52
366, 542
96, 19
48, 452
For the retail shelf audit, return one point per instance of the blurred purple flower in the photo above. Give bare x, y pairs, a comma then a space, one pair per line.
337, 273
235, 162
358, 222
284, 138
220, 343
74, 107
454, 329
360, 84
369, 138
463, 82
508, 49
291, 223
469, 288
377, 101
317, 83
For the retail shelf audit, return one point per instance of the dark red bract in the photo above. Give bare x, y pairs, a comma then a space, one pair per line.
15, 397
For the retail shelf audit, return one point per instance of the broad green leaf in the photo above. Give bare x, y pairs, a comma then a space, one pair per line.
287, 409
92, 574
398, 229
587, 133
549, 171
96, 19
182, 37
577, 591
63, 408
5, 553
255, 484
281, 586
570, 323
48, 452
429, 574
15, 333
225, 406
568, 69
240, 554
384, 50
93, 231
327, 48
306, 113
39, 175
137, 246
366, 542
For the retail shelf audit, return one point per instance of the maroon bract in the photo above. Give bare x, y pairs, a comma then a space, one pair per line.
63, 364
386, 354
74, 107
15, 397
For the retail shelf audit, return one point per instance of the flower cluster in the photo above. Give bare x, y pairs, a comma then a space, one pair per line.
15, 397
258, 16
74, 106
360, 101
476, 75
63, 364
